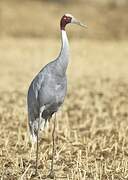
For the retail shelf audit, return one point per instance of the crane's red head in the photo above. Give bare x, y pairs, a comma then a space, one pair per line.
68, 18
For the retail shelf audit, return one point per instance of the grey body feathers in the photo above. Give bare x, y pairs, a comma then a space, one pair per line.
48, 89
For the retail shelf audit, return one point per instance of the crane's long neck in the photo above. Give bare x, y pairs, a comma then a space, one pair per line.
63, 58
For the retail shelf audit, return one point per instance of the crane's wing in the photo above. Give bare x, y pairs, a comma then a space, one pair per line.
32, 99
34, 104
45, 96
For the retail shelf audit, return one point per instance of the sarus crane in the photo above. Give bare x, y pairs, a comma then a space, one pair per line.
48, 89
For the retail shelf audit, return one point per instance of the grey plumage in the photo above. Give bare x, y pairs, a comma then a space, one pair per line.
48, 89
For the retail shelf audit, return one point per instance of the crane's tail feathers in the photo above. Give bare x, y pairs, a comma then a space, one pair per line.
33, 127
33, 136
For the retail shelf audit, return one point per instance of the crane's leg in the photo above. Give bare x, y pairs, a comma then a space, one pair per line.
37, 143
37, 148
53, 145
51, 174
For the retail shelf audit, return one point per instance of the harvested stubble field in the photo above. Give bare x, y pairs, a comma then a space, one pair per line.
92, 126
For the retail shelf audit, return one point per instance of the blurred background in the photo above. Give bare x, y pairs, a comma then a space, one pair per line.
92, 127
30, 38
106, 19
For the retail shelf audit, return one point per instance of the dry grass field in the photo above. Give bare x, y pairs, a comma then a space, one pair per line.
92, 125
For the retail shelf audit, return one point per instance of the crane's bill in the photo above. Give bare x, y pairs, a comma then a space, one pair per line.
83, 25
75, 21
